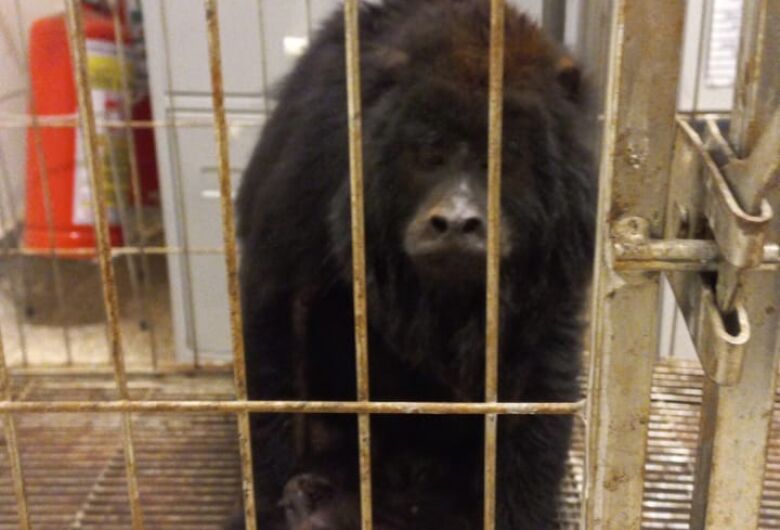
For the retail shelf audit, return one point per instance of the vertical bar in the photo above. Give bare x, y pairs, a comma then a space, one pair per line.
492, 322
97, 188
12, 445
756, 94
135, 181
43, 176
593, 44
19, 291
735, 422
640, 104
263, 57
706, 15
178, 200
554, 18
231, 259
352, 45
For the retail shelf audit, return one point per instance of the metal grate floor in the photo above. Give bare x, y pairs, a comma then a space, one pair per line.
189, 473
188, 466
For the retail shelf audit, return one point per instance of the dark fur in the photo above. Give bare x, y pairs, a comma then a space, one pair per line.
424, 74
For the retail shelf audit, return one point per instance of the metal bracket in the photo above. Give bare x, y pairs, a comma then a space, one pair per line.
739, 234
734, 188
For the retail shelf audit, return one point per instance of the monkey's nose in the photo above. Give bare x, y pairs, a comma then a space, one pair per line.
457, 223
451, 228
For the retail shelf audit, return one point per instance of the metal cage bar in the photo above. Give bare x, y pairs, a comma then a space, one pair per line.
45, 183
261, 24
135, 182
652, 255
23, 121
21, 291
174, 146
292, 407
231, 257
636, 147
736, 420
492, 320
12, 446
97, 195
357, 204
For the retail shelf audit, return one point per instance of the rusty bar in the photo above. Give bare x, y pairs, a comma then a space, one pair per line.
17, 476
177, 193
45, 183
735, 423
135, 181
97, 189
352, 49
653, 255
706, 14
231, 257
758, 75
681, 254
48, 211
124, 222
640, 102
18, 291
263, 56
44, 121
492, 320
12, 446
91, 371
593, 46
292, 407
118, 251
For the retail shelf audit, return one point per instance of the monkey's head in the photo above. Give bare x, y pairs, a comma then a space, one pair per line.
425, 114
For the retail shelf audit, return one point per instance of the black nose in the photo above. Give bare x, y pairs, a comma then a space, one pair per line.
449, 229
455, 224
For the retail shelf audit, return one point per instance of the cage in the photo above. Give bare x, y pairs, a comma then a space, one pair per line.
122, 383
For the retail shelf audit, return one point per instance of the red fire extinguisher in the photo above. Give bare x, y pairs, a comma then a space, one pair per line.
55, 156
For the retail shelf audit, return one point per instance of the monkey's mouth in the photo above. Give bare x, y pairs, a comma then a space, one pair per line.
451, 267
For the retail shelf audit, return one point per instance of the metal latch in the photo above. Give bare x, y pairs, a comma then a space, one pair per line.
738, 217
735, 206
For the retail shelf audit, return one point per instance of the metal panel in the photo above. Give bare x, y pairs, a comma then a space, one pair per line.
643, 68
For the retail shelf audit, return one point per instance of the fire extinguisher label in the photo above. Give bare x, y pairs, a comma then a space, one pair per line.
113, 151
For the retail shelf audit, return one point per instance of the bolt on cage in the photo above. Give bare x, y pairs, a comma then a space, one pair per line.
674, 196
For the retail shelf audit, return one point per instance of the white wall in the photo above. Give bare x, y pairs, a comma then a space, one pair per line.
15, 19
